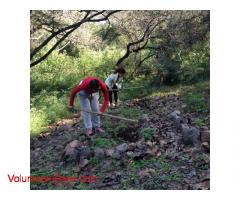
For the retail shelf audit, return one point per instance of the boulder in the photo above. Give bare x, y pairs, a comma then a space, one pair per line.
131, 146
176, 118
99, 153
130, 154
83, 163
122, 147
116, 155
109, 152
190, 135
71, 152
113, 153
86, 152
141, 145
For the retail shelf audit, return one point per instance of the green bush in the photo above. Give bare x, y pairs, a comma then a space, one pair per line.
196, 102
148, 133
197, 97
103, 143
38, 121
47, 108
195, 64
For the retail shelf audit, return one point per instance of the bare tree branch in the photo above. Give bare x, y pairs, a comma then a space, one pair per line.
44, 43
63, 46
72, 27
130, 45
50, 51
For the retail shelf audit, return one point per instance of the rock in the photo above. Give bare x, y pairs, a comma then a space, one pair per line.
149, 143
130, 154
122, 147
141, 145
118, 174
74, 153
184, 128
116, 155
74, 144
83, 163
70, 155
131, 146
106, 164
138, 154
175, 113
64, 128
99, 153
152, 151
175, 117
71, 152
143, 174
163, 143
145, 117
205, 136
205, 185
206, 146
146, 173
108, 179
113, 153
109, 152
192, 173
190, 135
86, 152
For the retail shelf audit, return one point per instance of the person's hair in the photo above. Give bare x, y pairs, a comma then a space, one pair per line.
94, 84
120, 70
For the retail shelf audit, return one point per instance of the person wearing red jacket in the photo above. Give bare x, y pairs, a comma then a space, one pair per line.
88, 91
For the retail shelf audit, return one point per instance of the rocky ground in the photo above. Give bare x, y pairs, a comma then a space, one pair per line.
167, 149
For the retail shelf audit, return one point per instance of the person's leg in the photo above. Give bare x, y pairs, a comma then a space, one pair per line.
115, 94
85, 105
110, 97
95, 108
116, 97
96, 118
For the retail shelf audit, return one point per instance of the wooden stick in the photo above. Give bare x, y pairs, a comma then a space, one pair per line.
126, 88
108, 115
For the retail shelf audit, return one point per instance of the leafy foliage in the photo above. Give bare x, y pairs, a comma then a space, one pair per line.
195, 64
179, 45
148, 133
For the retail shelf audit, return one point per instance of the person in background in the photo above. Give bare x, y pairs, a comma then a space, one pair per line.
114, 83
88, 91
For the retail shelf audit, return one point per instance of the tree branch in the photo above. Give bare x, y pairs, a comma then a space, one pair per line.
146, 35
72, 27
50, 51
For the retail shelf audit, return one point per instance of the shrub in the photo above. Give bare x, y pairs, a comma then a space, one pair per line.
148, 133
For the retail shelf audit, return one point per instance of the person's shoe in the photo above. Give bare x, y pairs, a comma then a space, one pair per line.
90, 132
99, 130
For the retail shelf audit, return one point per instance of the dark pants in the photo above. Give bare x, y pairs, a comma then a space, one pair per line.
114, 93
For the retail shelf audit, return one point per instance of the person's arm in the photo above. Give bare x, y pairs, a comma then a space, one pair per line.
111, 81
73, 94
119, 84
106, 97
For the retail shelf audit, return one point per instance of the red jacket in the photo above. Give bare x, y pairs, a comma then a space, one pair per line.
85, 85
